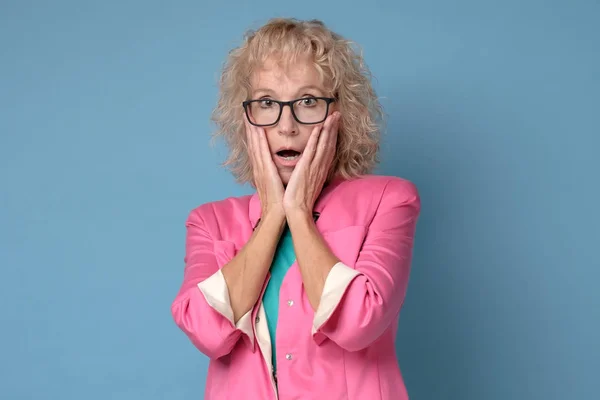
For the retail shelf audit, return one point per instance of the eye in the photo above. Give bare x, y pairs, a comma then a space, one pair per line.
266, 103
308, 102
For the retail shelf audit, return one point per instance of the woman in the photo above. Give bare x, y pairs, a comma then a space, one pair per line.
295, 292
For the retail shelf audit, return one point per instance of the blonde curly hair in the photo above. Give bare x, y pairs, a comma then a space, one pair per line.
338, 63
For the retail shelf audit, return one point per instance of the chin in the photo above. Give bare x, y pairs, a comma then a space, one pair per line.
285, 177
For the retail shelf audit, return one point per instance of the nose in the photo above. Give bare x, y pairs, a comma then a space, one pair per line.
287, 124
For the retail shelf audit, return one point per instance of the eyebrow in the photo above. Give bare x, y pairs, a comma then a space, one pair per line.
300, 90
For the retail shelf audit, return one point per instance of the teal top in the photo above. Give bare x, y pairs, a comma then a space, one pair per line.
282, 261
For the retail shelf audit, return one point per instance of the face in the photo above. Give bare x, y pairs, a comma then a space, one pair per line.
288, 138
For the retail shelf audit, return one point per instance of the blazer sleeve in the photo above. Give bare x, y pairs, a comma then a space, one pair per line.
202, 307
358, 304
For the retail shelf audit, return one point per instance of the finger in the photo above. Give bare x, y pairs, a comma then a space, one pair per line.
330, 147
338, 123
250, 151
263, 148
260, 144
335, 133
333, 141
255, 161
325, 146
311, 147
248, 128
256, 133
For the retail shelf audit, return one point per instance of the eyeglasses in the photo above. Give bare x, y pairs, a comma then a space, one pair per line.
307, 110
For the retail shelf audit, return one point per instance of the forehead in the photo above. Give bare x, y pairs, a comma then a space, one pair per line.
286, 78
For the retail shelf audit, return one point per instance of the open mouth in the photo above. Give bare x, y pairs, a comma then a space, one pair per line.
288, 155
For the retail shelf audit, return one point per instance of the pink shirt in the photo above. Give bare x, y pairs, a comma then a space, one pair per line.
344, 350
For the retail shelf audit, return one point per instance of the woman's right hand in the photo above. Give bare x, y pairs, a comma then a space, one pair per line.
265, 175
246, 272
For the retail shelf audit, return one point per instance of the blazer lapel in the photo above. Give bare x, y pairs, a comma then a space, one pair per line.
344, 242
255, 209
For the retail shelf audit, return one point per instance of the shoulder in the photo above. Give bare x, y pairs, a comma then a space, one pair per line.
380, 189
228, 204
360, 200
214, 214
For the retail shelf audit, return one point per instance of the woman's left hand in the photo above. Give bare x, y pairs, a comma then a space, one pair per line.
312, 169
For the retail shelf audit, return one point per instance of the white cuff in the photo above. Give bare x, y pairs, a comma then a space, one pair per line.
214, 289
336, 283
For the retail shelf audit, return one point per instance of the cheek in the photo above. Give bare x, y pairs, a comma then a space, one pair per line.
270, 134
306, 131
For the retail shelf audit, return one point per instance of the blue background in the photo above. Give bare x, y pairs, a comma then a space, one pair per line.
104, 149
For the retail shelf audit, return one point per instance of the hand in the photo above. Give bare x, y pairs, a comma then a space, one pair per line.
311, 172
265, 176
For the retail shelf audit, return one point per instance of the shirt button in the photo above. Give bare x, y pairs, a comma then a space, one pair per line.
290, 303
257, 320
288, 356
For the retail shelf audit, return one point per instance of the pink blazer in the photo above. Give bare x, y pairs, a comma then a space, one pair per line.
344, 350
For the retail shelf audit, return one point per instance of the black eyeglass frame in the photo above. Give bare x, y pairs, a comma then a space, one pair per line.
282, 104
